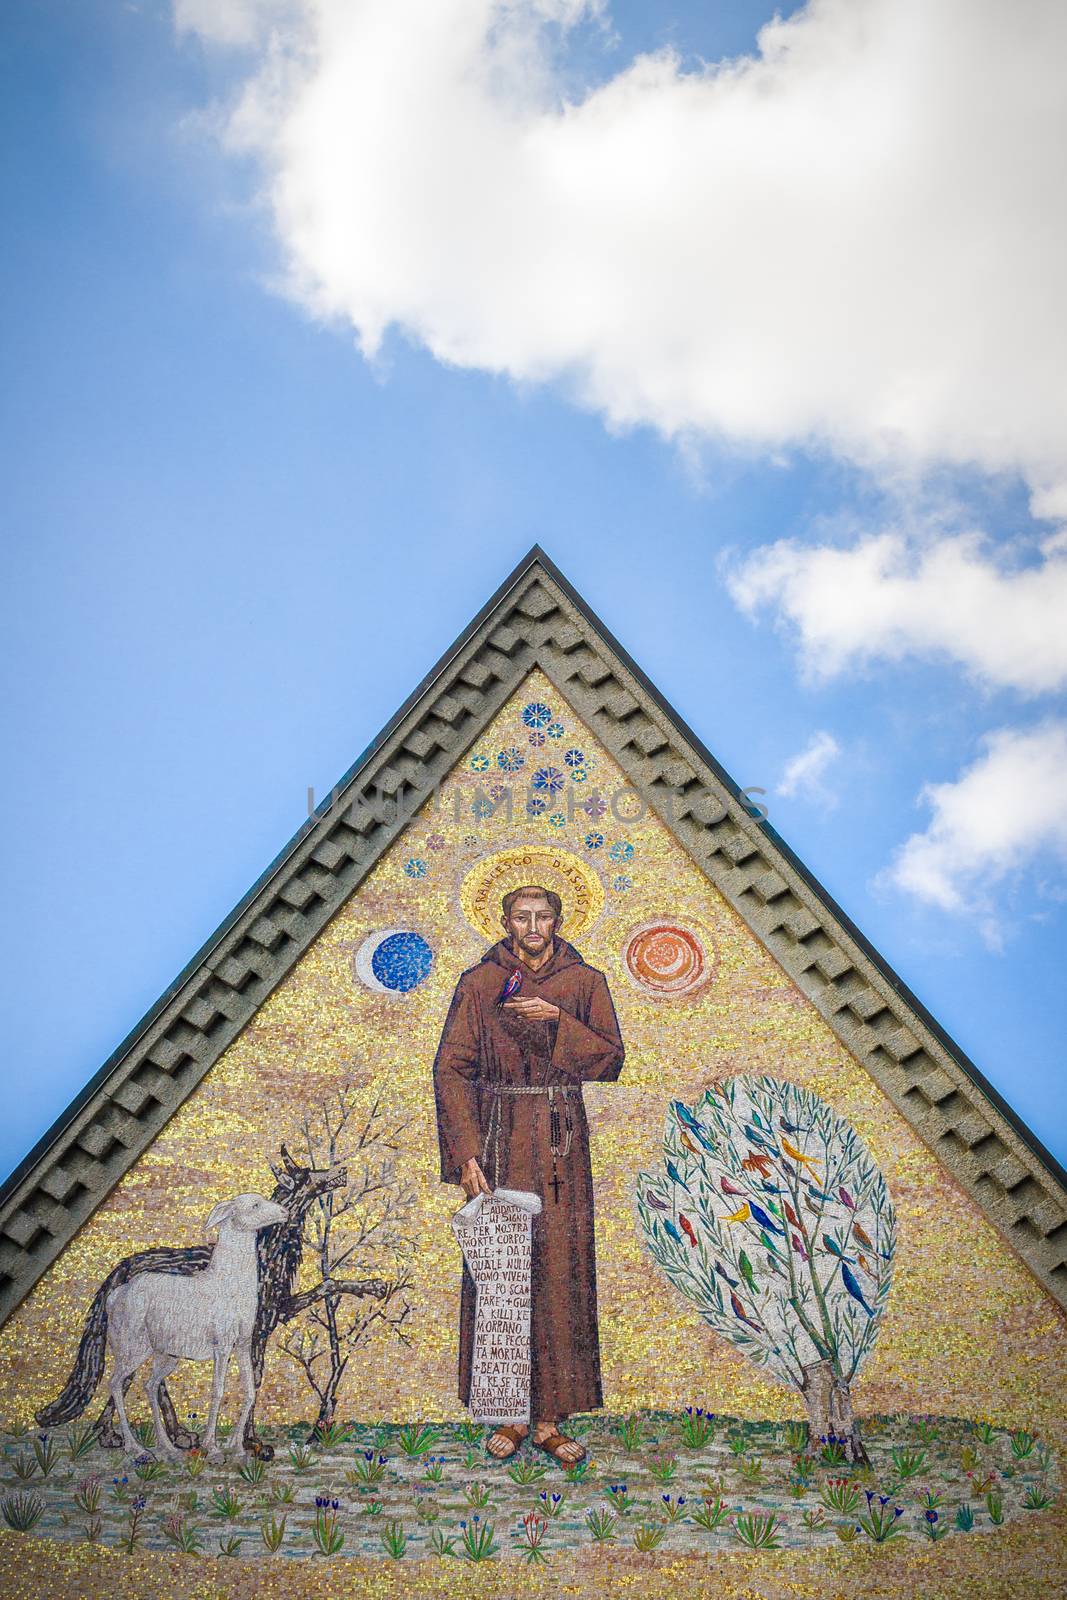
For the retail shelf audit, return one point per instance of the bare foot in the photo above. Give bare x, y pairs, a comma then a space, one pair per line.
505, 1441
567, 1451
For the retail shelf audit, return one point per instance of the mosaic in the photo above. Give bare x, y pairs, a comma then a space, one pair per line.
765, 1325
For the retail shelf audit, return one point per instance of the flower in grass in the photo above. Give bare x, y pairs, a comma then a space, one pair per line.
931, 1515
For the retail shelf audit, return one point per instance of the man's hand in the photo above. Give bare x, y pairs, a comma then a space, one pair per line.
473, 1179
534, 1010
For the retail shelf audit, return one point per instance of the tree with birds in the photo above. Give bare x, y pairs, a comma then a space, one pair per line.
807, 1319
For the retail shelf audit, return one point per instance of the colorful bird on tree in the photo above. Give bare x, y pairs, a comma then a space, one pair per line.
802, 1292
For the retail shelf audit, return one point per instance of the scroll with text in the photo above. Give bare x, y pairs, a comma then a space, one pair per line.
495, 1234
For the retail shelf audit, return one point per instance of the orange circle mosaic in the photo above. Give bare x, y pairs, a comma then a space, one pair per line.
666, 958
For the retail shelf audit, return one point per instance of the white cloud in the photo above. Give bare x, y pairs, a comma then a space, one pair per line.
854, 238
803, 774
885, 598
1005, 812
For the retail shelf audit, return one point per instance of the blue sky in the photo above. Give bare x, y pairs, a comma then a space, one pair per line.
265, 456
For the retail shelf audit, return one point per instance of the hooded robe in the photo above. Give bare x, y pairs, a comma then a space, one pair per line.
484, 1044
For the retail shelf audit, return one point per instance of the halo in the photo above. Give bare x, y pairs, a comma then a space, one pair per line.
494, 876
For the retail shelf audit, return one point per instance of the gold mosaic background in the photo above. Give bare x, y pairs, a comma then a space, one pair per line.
968, 1331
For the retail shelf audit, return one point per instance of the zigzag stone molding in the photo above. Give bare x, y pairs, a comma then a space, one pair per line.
535, 620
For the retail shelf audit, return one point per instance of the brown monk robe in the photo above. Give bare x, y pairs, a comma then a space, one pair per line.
485, 1043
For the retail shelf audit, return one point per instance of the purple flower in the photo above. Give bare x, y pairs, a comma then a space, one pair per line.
336, 1504
898, 1511
883, 1499
666, 1499
368, 1455
870, 1495
556, 1498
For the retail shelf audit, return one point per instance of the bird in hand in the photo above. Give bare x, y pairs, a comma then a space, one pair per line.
852, 1285
739, 1312
741, 1215
687, 1228
797, 1155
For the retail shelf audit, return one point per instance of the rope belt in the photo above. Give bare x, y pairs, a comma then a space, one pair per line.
492, 1132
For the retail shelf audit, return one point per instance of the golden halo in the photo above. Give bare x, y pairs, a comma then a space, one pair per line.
494, 876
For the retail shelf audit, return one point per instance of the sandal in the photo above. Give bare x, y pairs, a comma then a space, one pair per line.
514, 1438
551, 1444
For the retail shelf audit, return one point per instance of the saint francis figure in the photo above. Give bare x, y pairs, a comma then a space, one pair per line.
527, 1026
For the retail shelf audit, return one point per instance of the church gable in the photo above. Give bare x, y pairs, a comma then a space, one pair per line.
309, 1031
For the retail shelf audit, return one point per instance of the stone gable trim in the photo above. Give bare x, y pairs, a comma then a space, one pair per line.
535, 620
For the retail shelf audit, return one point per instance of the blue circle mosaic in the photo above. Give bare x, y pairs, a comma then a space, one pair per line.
548, 778
402, 961
621, 850
536, 715
416, 867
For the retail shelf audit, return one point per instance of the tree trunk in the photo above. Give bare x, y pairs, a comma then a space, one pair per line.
830, 1413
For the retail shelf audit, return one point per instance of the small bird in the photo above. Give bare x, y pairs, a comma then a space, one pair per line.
772, 1262
655, 1202
851, 1284
846, 1198
791, 1216
739, 1313
818, 1194
691, 1144
721, 1270
764, 1220
787, 1127
687, 1228
744, 1266
676, 1177
672, 1230
757, 1161
802, 1160
758, 1139
865, 1264
768, 1244
799, 1248
513, 985
740, 1215
835, 1249
683, 1113
812, 1207
730, 1188
861, 1236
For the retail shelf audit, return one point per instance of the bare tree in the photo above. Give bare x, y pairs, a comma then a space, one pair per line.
363, 1229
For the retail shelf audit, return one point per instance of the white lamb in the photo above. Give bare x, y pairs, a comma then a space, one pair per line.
204, 1316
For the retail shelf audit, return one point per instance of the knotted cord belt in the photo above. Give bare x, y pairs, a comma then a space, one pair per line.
492, 1132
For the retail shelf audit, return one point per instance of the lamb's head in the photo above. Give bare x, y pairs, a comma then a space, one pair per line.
247, 1213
